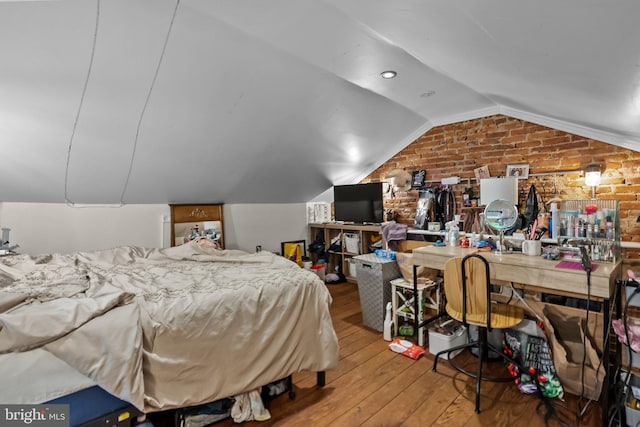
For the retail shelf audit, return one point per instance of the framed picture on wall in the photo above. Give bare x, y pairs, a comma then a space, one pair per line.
417, 178
518, 171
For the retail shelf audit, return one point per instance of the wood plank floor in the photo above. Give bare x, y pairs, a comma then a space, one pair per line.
373, 386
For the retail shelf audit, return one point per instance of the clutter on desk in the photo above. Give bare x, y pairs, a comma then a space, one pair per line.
550, 253
593, 225
453, 233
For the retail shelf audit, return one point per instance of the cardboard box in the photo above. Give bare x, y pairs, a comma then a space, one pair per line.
409, 245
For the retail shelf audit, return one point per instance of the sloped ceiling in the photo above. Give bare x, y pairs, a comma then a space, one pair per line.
276, 101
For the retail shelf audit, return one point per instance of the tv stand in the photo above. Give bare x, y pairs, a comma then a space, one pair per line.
366, 233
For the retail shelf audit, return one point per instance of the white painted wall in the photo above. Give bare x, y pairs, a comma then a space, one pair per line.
55, 227
248, 225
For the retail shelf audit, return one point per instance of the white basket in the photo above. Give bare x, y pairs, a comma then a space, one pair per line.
352, 268
352, 243
439, 342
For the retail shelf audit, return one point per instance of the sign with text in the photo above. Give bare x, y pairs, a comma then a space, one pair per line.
34, 415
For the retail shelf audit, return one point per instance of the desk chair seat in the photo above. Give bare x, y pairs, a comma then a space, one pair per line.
468, 293
503, 316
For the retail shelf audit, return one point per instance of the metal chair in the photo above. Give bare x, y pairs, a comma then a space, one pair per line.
467, 291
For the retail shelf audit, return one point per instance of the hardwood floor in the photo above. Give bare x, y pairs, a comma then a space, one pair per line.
373, 386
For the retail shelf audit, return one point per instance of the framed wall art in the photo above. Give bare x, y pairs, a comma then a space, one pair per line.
518, 171
418, 178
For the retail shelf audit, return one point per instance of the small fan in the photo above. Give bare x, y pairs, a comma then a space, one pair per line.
500, 215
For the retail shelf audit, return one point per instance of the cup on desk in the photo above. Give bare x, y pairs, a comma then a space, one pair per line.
532, 247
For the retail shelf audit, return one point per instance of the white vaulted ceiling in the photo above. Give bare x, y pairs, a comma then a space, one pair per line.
276, 101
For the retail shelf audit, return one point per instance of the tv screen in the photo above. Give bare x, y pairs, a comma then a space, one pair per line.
358, 203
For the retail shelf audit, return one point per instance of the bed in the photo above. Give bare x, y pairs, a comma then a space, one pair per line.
159, 328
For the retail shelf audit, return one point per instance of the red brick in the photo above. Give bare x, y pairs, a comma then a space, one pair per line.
497, 140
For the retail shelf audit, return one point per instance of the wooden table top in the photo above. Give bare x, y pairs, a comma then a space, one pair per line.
530, 270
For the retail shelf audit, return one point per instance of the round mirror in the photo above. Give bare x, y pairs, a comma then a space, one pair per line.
500, 215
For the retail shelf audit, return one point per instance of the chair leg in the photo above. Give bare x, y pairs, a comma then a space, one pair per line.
482, 353
483, 346
451, 350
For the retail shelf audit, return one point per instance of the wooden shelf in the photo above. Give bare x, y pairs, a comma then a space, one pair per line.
366, 234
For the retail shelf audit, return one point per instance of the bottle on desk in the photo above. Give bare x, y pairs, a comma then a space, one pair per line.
554, 221
453, 233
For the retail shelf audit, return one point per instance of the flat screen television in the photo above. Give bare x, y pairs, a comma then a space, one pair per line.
360, 203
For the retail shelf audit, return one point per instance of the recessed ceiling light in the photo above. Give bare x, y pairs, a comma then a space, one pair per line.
388, 74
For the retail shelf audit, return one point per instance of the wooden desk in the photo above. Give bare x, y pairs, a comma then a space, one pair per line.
543, 276
530, 270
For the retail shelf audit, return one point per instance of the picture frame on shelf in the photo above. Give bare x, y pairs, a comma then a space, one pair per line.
518, 171
482, 172
294, 250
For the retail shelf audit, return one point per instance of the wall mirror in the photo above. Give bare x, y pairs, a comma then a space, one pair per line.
197, 220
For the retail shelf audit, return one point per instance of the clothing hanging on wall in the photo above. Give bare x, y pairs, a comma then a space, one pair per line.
472, 222
445, 206
425, 209
531, 208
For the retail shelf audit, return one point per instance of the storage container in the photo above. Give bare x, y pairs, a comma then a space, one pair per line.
447, 336
320, 270
352, 243
630, 292
633, 396
374, 287
352, 270
433, 226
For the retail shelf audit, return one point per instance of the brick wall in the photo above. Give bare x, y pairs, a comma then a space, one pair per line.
497, 141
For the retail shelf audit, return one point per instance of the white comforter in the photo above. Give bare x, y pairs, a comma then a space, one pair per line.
168, 328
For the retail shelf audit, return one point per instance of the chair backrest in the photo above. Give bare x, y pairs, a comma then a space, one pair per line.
467, 287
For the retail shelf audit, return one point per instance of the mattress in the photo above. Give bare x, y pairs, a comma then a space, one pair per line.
168, 328
38, 376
